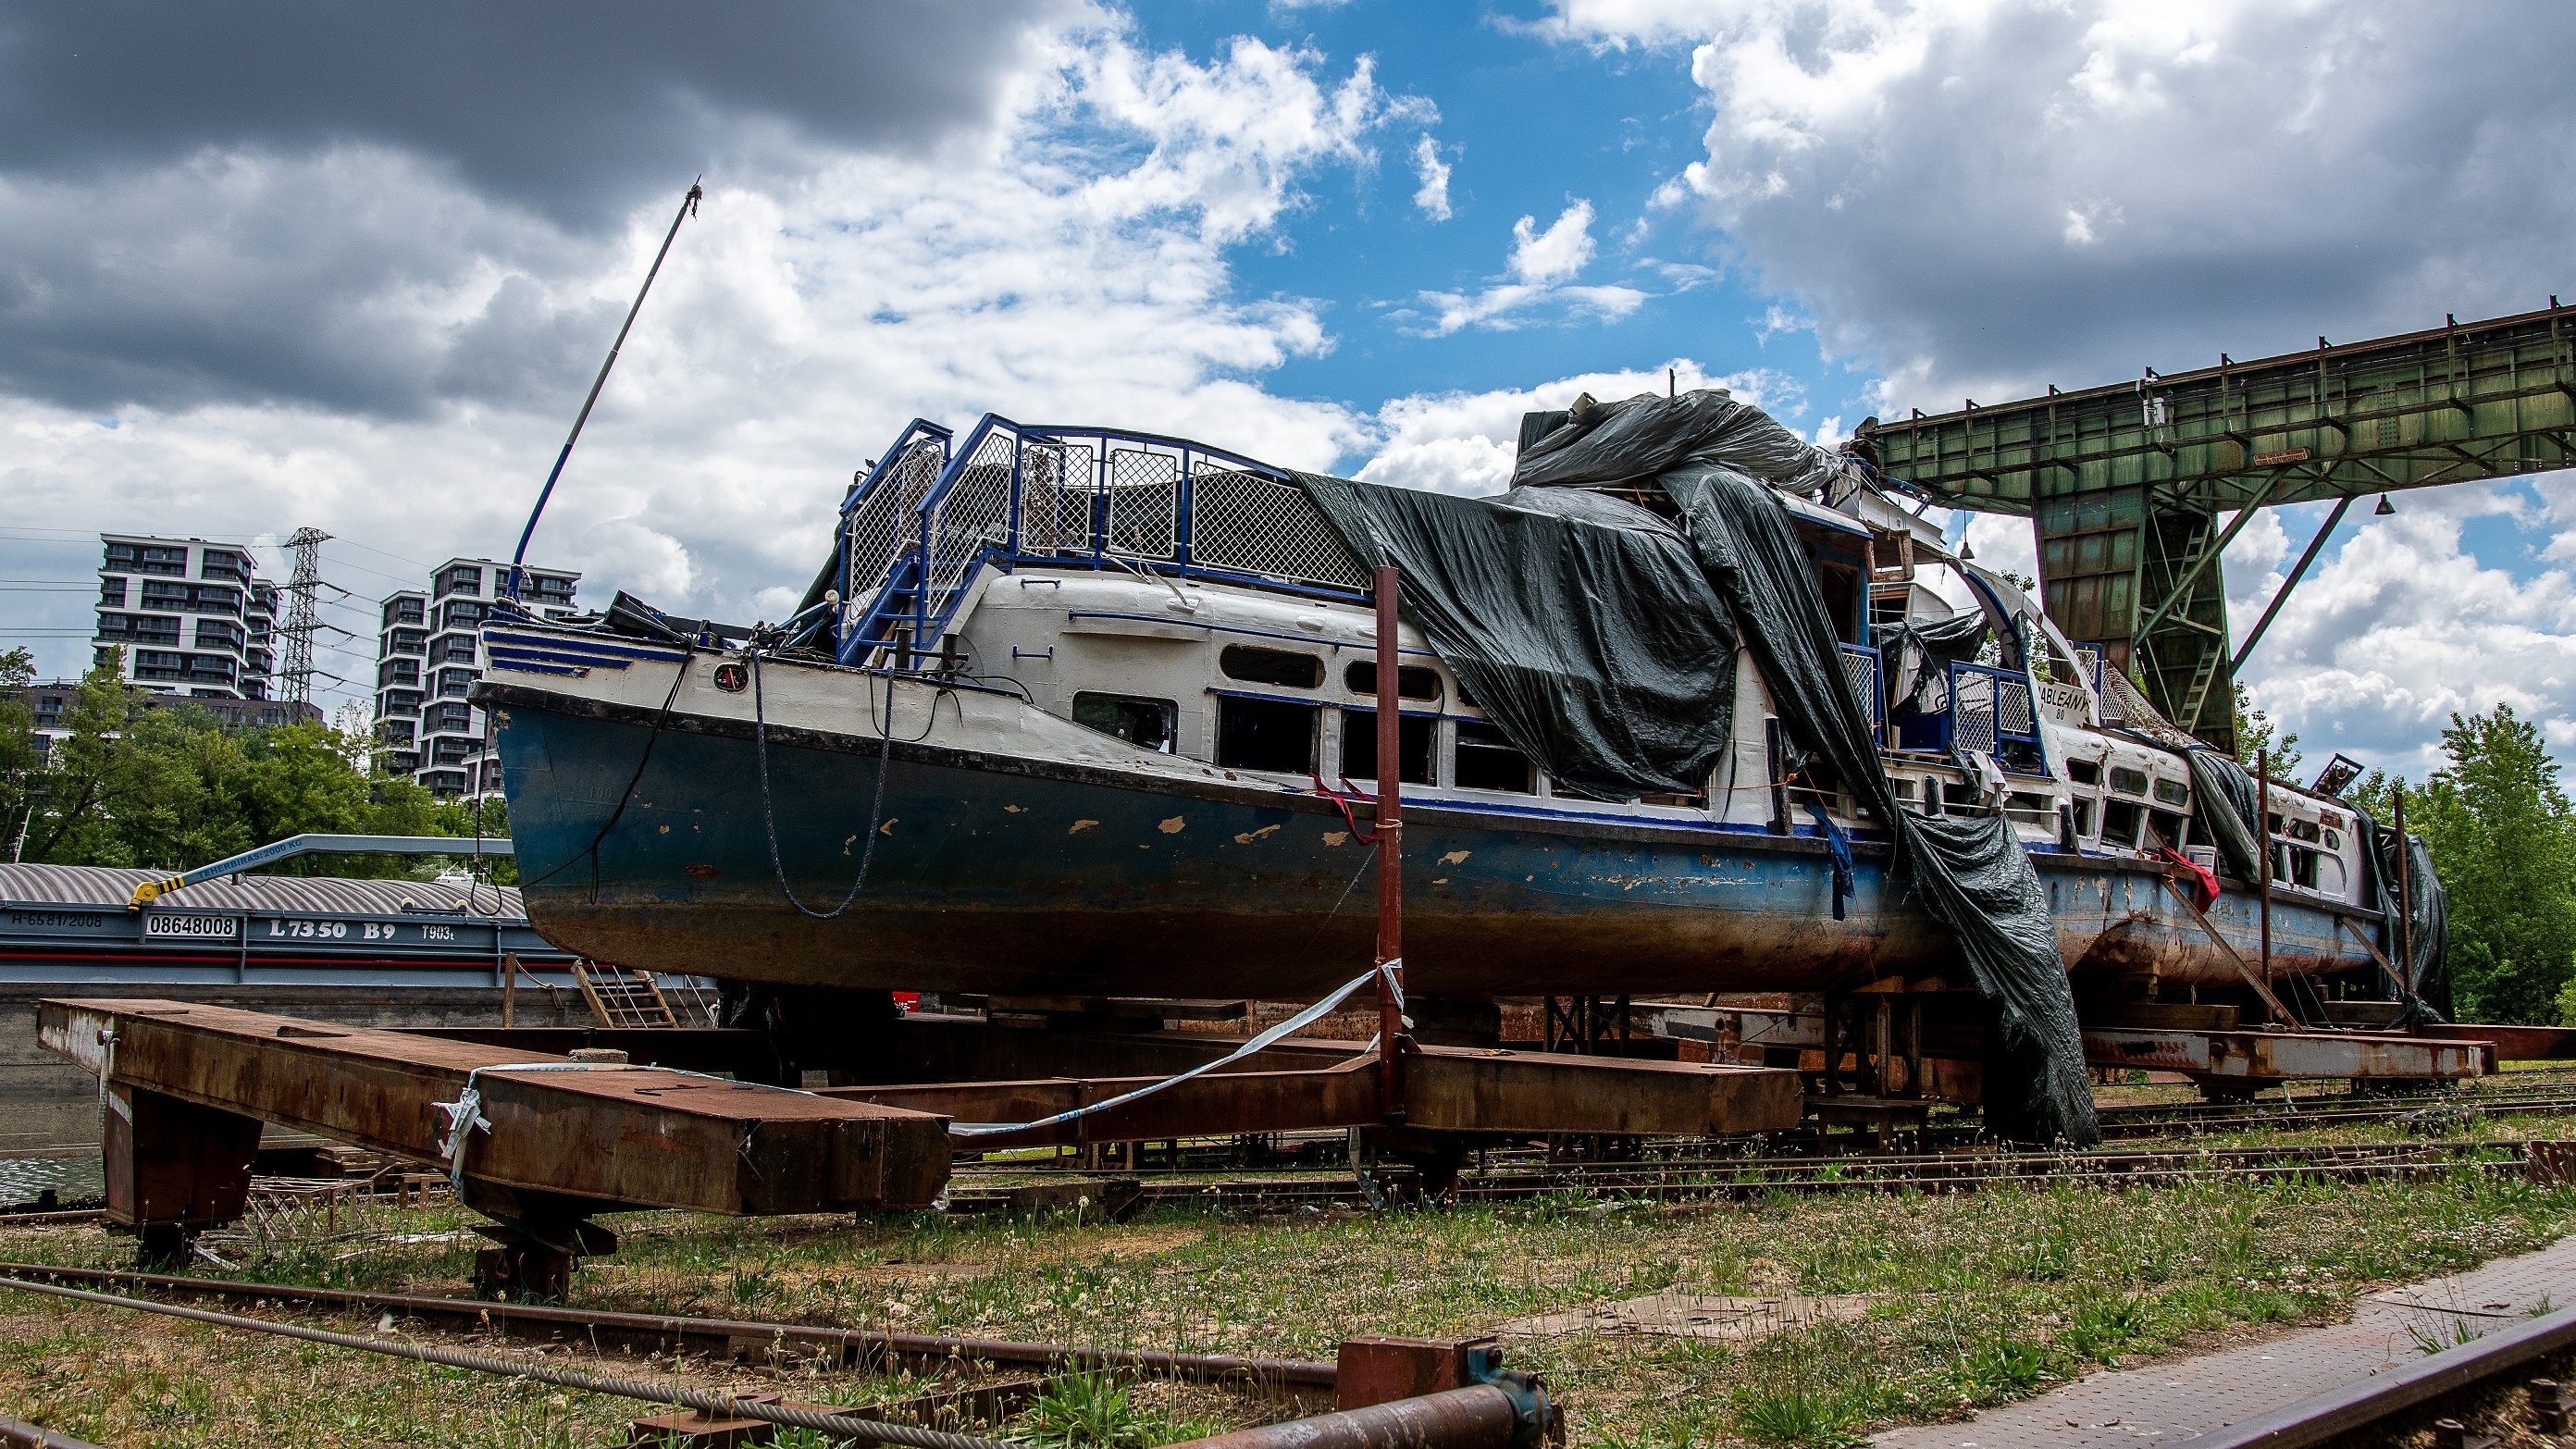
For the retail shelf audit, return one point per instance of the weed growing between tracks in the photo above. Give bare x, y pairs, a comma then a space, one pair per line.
1970, 1300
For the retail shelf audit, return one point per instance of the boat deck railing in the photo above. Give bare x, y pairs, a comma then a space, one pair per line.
933, 512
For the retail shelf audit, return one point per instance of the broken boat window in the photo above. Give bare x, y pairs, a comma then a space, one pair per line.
1265, 734
2173, 792
2084, 815
2128, 781
1487, 761
2084, 772
1150, 724
1271, 666
2120, 821
1412, 681
1413, 746
2167, 827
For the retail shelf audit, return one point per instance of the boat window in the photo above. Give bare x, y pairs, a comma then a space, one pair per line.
2120, 822
2333, 841
2128, 781
1271, 666
2084, 815
2166, 827
1413, 735
1901, 786
2084, 772
1265, 734
1487, 761
2303, 867
1412, 681
2173, 792
1959, 794
1150, 724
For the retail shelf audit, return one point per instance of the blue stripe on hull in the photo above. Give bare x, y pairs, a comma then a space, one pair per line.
1032, 883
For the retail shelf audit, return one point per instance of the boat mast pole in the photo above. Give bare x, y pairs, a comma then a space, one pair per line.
2263, 837
1390, 854
688, 208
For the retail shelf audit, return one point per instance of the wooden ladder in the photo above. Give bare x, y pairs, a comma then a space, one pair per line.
619, 996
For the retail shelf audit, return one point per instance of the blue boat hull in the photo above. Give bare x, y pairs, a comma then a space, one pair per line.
1006, 875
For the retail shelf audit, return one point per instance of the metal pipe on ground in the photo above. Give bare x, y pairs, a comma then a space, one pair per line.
1479, 1416
719, 1335
15, 1435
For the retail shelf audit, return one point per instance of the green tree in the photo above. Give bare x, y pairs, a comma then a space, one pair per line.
2503, 840
19, 771
2257, 730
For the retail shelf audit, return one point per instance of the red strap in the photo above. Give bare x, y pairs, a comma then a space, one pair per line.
2204, 883
1364, 837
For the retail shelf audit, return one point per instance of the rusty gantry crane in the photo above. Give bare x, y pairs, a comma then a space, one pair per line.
2125, 485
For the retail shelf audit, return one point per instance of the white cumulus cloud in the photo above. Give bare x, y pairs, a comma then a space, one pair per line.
1432, 196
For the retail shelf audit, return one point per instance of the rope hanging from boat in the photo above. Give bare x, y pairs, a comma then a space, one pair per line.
769, 809
1383, 973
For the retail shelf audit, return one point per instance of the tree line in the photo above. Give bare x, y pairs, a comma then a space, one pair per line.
2503, 838
171, 788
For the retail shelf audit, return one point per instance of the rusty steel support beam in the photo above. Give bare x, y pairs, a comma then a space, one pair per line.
609, 1138
2263, 1056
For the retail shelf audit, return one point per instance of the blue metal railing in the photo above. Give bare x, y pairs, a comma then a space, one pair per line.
934, 512
1861, 667
1989, 708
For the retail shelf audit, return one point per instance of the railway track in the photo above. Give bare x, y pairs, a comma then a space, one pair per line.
2475, 1379
1715, 1176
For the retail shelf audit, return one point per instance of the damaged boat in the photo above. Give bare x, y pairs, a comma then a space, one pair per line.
1695, 707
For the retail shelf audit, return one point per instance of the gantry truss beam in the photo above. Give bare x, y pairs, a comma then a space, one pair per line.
2124, 484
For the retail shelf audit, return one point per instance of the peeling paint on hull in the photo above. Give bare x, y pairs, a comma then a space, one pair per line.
997, 874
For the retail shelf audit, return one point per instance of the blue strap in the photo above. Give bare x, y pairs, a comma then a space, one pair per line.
1840, 844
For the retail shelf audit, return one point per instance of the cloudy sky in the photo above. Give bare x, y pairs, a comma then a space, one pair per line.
273, 264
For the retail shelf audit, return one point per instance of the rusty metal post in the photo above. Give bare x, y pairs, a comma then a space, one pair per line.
1390, 856
2405, 899
510, 989
2263, 840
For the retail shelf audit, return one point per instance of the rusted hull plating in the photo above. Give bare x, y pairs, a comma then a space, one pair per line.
1005, 875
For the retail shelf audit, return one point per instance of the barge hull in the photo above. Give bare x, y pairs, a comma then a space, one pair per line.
995, 873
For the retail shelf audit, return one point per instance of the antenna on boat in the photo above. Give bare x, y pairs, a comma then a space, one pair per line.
688, 208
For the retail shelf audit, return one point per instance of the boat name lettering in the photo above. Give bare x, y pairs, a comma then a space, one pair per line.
56, 920
311, 930
194, 928
432, 933
2064, 697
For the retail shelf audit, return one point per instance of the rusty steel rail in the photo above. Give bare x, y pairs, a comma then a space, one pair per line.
716, 1337
1709, 1178
1502, 1410
2373, 1401
730, 1405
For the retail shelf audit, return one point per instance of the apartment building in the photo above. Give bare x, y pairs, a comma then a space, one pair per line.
428, 656
190, 615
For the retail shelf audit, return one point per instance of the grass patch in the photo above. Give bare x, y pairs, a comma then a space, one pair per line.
1977, 1299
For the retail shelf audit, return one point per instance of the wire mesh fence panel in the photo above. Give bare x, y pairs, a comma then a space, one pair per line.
975, 515
1144, 503
882, 527
1246, 523
1972, 711
1055, 515
1860, 666
2012, 708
